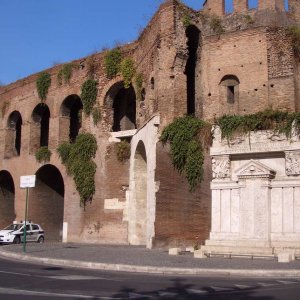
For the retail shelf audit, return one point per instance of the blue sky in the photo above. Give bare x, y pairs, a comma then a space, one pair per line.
36, 34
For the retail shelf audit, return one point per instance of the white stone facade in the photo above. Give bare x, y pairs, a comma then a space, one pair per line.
255, 194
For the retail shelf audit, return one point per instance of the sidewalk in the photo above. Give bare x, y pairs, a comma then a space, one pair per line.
140, 259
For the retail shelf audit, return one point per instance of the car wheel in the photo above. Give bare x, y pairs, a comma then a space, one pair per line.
17, 240
41, 239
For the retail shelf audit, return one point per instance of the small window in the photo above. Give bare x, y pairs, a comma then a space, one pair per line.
230, 86
35, 227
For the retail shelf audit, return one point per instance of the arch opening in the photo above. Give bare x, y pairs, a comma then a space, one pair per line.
193, 42
14, 134
7, 199
123, 102
46, 204
252, 4
41, 116
71, 109
140, 178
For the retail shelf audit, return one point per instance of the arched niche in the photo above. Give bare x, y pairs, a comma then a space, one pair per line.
122, 101
70, 118
13, 135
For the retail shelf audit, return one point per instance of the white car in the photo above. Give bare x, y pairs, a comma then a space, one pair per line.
14, 233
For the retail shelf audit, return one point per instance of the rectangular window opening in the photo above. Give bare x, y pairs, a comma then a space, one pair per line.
228, 6
253, 4
230, 94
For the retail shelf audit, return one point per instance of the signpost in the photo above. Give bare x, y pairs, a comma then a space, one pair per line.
26, 182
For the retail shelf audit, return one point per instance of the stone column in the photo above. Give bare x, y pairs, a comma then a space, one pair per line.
271, 4
215, 7
240, 6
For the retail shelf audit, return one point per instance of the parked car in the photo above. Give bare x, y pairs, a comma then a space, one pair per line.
14, 233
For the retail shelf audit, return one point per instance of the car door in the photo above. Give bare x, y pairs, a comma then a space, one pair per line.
35, 229
29, 234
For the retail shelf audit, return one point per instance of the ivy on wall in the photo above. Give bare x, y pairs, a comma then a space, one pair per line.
188, 137
43, 154
112, 61
43, 83
278, 121
88, 96
78, 159
127, 70
65, 74
138, 84
294, 33
123, 150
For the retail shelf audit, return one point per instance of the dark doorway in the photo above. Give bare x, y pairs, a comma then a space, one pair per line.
15, 125
193, 40
41, 116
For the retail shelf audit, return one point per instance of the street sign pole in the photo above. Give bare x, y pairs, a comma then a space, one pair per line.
26, 182
26, 210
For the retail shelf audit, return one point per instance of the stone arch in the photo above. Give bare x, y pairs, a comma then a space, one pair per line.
39, 132
122, 103
193, 35
140, 179
7, 199
70, 118
13, 134
46, 201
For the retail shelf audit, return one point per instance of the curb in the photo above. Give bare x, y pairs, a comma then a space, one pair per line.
293, 273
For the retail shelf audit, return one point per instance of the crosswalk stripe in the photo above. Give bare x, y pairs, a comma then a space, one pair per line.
242, 287
286, 282
221, 289
193, 291
167, 294
266, 284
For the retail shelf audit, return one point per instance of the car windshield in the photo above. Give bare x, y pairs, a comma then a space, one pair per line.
14, 227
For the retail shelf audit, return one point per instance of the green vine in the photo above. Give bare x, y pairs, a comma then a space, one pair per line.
294, 33
186, 20
96, 114
43, 154
89, 93
278, 121
78, 159
127, 70
216, 25
43, 83
138, 82
112, 61
123, 150
65, 74
188, 137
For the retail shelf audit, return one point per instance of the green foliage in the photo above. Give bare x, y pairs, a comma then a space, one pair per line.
216, 25
89, 93
249, 19
294, 33
78, 159
123, 150
188, 137
279, 121
96, 114
127, 70
112, 60
91, 67
65, 74
43, 154
138, 82
43, 83
186, 20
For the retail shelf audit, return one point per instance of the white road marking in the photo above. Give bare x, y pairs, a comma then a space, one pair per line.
137, 296
243, 287
286, 282
266, 284
167, 294
10, 291
199, 292
221, 289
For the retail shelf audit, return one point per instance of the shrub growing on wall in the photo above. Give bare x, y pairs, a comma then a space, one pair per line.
188, 137
89, 93
78, 159
123, 150
112, 60
65, 74
128, 71
43, 154
43, 83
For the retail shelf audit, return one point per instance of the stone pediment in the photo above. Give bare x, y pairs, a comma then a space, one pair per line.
255, 169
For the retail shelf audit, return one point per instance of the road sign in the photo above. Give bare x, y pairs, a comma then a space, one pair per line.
27, 181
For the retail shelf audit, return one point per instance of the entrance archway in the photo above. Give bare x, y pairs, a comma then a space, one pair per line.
46, 201
140, 178
7, 199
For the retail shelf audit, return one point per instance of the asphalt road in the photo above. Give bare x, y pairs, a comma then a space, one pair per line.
34, 282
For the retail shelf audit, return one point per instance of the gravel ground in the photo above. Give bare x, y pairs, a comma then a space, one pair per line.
140, 256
